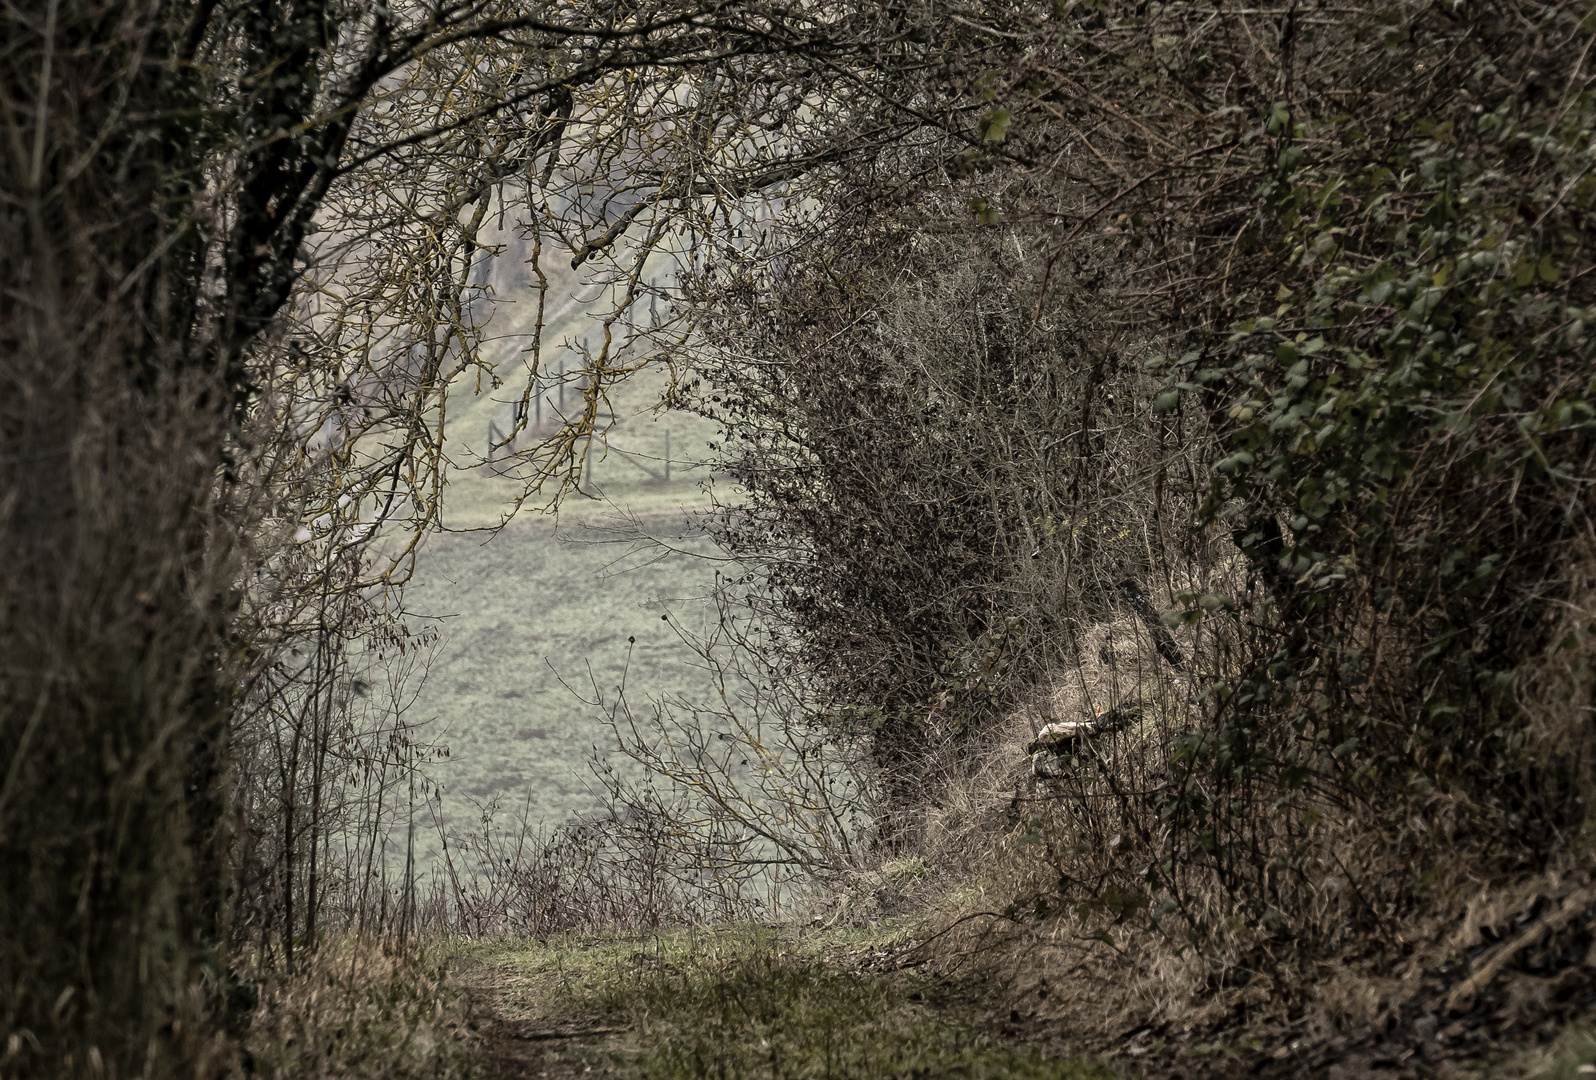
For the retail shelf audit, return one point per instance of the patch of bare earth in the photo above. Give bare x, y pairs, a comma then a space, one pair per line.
518, 1044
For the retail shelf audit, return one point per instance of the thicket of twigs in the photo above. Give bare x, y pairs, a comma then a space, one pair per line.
246, 277
1281, 316
1026, 323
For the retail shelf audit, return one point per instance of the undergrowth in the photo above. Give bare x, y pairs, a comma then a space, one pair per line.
752, 1003
361, 1009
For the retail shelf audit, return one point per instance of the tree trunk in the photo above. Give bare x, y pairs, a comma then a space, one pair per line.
116, 596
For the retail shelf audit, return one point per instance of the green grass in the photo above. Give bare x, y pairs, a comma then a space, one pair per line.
532, 618
753, 1004
533, 615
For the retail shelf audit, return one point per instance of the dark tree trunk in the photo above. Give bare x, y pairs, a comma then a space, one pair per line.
119, 396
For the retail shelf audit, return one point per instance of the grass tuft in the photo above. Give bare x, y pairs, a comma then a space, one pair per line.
361, 1009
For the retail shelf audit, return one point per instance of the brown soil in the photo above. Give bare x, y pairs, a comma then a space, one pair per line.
519, 1045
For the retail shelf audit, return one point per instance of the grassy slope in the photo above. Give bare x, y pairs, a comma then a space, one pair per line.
744, 1002
544, 599
522, 610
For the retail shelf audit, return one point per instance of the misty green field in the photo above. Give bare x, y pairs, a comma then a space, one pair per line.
531, 616
537, 613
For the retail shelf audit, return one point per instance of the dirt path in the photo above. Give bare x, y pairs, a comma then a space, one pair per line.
520, 1044
706, 1013
516, 1051
724, 1006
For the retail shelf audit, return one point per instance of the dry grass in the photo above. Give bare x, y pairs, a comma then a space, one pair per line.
361, 1009
1012, 894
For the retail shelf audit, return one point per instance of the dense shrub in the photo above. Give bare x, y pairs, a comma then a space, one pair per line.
941, 491
1354, 247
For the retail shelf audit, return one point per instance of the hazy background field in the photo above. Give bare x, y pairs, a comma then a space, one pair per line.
524, 609
540, 610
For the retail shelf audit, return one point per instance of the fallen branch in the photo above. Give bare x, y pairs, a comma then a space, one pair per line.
1492, 964
579, 1033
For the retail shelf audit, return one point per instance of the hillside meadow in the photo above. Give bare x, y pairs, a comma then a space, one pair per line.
536, 613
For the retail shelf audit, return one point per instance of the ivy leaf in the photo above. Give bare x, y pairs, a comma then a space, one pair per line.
995, 125
984, 212
1279, 118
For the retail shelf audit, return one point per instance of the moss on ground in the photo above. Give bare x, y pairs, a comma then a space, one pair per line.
742, 1002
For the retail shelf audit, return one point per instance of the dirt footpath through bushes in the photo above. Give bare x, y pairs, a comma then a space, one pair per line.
710, 1003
